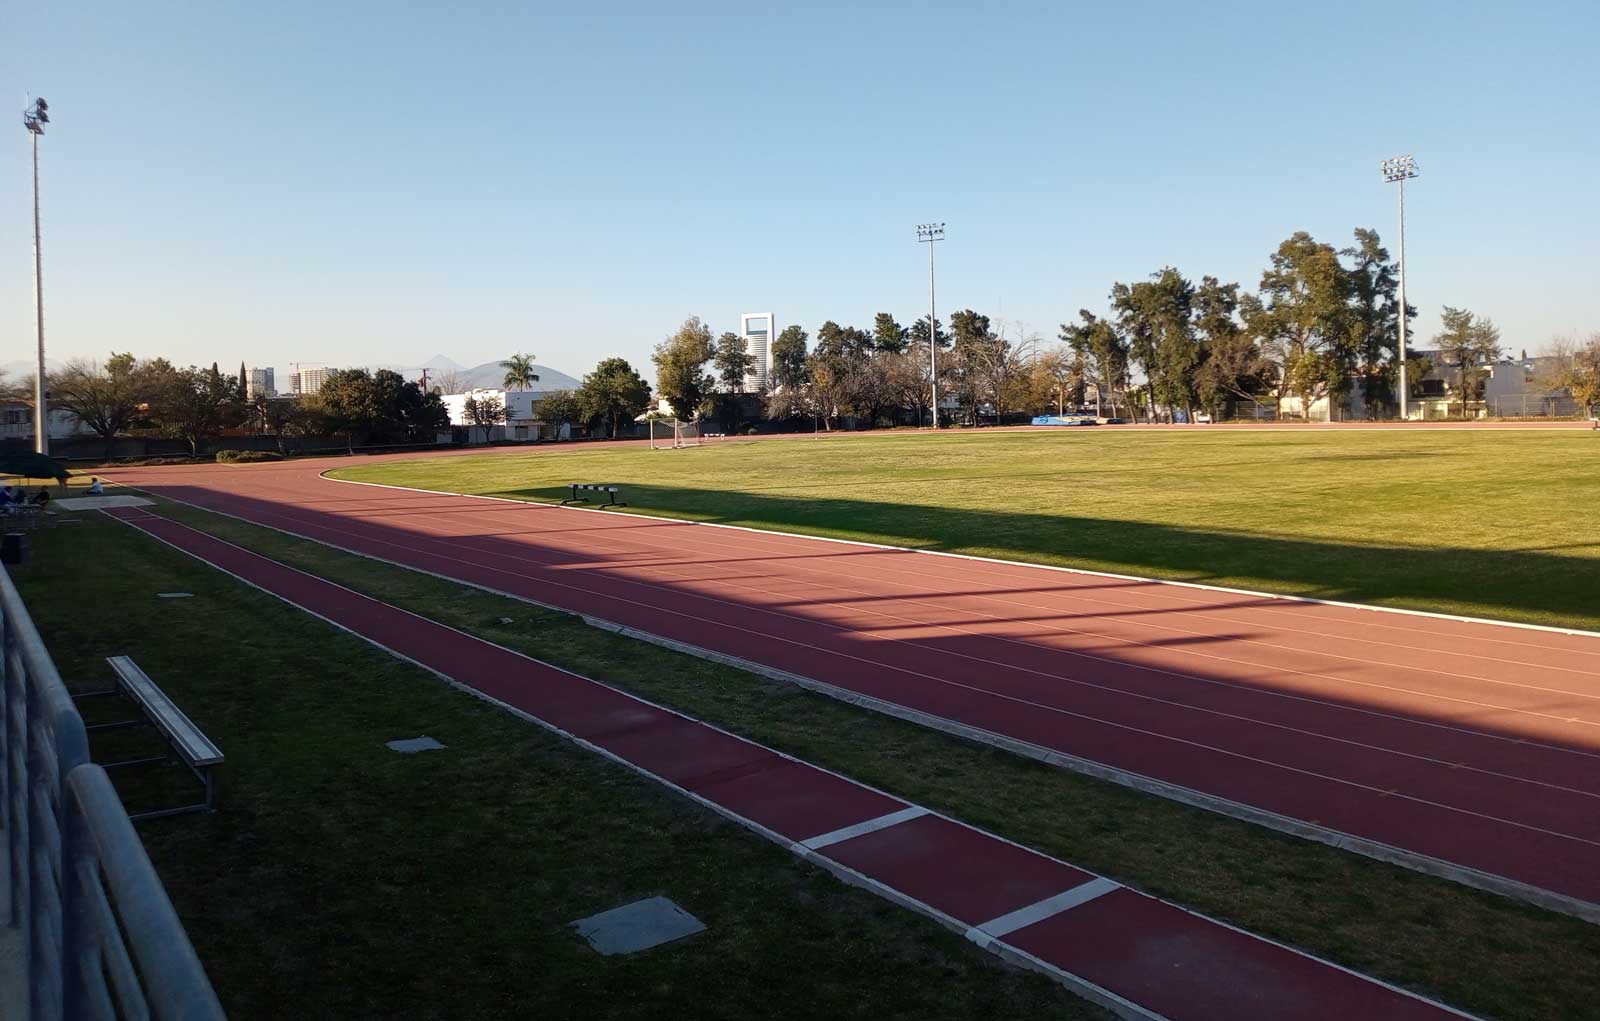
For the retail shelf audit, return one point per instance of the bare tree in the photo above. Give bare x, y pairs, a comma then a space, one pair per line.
1003, 365
450, 381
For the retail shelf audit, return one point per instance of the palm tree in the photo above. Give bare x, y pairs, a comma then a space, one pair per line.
519, 372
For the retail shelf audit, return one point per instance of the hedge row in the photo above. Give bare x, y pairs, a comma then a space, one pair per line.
247, 456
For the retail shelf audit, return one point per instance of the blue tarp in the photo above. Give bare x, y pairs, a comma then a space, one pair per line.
1064, 420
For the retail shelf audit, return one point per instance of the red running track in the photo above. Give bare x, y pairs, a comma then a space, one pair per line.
1467, 748
1140, 956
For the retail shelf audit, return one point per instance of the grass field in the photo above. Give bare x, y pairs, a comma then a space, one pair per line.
1496, 524
289, 690
343, 880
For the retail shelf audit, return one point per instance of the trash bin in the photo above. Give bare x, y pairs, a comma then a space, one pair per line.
13, 548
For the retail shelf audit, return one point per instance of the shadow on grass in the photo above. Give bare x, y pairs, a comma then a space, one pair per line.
1531, 585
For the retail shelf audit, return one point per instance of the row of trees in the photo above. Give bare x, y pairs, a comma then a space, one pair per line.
1322, 324
125, 395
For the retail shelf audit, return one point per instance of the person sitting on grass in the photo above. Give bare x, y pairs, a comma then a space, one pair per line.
41, 499
95, 488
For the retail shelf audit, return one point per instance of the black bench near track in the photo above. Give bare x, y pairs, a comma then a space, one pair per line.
594, 487
189, 744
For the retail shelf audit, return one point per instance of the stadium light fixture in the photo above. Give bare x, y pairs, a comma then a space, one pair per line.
928, 234
34, 118
1399, 170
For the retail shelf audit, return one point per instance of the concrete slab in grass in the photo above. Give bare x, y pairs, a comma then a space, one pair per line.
82, 503
412, 745
637, 926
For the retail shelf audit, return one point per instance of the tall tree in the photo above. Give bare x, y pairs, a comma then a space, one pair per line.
969, 344
681, 378
348, 403
1154, 315
889, 336
613, 391
193, 404
1467, 342
1375, 319
519, 374
919, 333
280, 417
732, 362
105, 398
244, 380
788, 368
380, 405
1301, 320
1231, 365
838, 369
1105, 354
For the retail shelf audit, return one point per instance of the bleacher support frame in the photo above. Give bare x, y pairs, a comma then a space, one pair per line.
91, 932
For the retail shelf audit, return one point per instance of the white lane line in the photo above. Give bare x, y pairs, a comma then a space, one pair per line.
1038, 911
882, 822
1095, 993
454, 558
1549, 629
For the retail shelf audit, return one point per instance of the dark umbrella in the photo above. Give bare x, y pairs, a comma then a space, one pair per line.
31, 465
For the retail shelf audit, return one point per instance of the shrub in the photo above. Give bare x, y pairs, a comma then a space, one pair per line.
247, 456
141, 462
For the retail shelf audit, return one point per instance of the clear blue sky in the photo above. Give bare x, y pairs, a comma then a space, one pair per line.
368, 182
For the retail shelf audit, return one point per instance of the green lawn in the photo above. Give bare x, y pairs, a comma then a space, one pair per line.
343, 880
1497, 524
1485, 953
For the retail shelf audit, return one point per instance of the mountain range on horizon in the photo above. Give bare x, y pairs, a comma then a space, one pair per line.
488, 376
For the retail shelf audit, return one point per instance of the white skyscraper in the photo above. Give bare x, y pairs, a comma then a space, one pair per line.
758, 329
261, 382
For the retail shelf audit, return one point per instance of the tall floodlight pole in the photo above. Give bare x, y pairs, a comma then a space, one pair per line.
34, 118
1397, 171
928, 234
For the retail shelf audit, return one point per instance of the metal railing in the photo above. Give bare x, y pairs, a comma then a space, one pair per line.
92, 930
1535, 406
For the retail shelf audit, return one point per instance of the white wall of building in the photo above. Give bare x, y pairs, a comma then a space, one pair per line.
16, 422
521, 423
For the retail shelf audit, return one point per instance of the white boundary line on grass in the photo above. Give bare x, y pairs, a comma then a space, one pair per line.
1083, 987
1579, 632
1439, 868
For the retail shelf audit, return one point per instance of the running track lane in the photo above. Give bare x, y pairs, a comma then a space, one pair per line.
1133, 953
1455, 746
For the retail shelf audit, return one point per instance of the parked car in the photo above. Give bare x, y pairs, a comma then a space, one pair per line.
1202, 417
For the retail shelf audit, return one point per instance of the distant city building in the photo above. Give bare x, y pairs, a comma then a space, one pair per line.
757, 329
308, 381
260, 383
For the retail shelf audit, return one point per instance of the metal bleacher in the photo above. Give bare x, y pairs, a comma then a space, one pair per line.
86, 929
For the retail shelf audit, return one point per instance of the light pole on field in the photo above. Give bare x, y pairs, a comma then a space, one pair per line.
1398, 170
928, 234
34, 118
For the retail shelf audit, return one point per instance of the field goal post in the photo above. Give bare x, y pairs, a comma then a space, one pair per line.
673, 436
